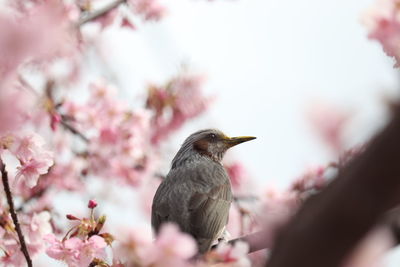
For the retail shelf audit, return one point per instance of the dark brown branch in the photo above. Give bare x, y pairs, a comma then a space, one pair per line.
101, 12
7, 190
265, 239
330, 224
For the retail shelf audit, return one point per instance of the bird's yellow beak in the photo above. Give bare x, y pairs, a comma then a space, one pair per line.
233, 141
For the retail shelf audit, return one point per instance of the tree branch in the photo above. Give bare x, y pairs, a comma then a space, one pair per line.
4, 177
72, 129
96, 14
330, 224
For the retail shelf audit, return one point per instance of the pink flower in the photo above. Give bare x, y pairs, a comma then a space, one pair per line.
22, 37
74, 251
329, 122
171, 248
31, 169
312, 179
39, 226
64, 176
235, 223
108, 18
127, 23
34, 159
149, 9
238, 176
175, 243
92, 204
15, 106
14, 256
55, 120
92, 248
28, 146
34, 226
67, 251
179, 101
134, 244
147, 192
383, 23
278, 207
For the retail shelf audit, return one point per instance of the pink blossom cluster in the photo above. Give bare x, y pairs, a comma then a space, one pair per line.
22, 38
174, 248
174, 103
35, 227
83, 243
330, 122
34, 159
118, 143
148, 9
75, 251
383, 23
118, 139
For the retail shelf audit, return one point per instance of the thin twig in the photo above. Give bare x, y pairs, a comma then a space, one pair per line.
73, 130
96, 14
4, 177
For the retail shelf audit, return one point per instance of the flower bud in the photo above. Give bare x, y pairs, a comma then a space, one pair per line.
72, 217
92, 204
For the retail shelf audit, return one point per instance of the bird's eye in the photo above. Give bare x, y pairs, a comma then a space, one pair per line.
212, 136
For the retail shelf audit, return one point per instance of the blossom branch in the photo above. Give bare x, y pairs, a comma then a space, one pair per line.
4, 177
72, 129
64, 118
264, 239
96, 14
331, 223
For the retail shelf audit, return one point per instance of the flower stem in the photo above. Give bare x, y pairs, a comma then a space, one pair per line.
4, 177
96, 14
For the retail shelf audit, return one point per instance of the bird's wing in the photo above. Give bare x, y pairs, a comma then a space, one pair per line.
160, 210
198, 200
208, 214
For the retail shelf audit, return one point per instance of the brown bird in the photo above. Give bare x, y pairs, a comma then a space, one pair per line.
197, 194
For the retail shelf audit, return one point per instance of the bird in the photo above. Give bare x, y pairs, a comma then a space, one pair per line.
196, 193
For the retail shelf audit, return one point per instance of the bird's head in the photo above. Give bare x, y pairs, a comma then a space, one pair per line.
211, 143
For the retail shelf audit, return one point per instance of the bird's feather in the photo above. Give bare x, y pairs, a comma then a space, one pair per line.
197, 198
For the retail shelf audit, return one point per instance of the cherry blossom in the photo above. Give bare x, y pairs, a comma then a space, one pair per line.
74, 251
15, 115
173, 243
383, 23
32, 167
239, 177
149, 9
133, 246
329, 122
35, 225
173, 104
22, 36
